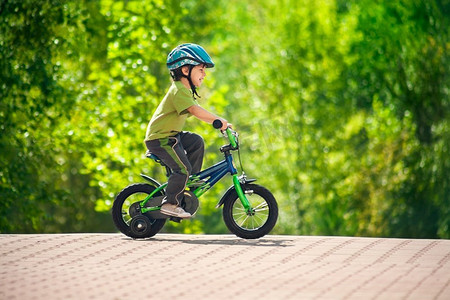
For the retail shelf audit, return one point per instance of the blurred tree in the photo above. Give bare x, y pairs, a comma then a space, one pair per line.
400, 82
40, 42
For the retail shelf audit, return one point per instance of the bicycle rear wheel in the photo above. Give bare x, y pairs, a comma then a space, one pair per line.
256, 223
124, 209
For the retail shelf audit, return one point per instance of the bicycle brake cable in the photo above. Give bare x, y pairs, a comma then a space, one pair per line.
240, 160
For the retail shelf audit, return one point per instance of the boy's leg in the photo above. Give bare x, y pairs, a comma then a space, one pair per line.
171, 152
195, 149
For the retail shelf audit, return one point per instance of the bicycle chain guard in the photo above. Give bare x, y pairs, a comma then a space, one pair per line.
190, 202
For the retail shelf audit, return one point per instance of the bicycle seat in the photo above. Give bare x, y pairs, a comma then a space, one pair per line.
150, 155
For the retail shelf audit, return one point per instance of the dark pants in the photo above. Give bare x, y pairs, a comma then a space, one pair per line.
183, 154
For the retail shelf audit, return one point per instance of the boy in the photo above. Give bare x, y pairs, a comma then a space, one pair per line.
181, 151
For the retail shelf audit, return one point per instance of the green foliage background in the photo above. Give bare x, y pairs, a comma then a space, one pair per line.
342, 106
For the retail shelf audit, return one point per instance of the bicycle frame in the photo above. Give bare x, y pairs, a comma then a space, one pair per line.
207, 179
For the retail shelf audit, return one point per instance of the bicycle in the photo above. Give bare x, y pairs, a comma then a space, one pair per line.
250, 211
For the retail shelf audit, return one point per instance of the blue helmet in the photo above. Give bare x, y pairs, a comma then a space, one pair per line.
188, 54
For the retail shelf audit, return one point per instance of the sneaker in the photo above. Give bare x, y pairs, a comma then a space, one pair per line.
174, 211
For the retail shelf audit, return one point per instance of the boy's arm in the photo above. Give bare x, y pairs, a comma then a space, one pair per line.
204, 115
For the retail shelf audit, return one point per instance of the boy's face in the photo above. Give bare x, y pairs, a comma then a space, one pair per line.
197, 75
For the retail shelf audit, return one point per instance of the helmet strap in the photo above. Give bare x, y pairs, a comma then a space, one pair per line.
193, 87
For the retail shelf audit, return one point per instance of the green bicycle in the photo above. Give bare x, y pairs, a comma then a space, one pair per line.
250, 211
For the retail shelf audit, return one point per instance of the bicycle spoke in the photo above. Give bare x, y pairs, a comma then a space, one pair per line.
250, 222
260, 219
263, 204
255, 224
262, 209
243, 221
239, 216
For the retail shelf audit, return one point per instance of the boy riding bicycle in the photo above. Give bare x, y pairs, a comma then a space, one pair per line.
181, 151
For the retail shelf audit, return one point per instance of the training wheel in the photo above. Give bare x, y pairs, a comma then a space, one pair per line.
140, 226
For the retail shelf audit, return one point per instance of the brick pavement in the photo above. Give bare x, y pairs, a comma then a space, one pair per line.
111, 266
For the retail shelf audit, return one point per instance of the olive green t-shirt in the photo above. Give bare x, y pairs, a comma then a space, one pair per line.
171, 114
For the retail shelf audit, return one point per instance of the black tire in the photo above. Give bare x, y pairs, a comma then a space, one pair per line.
121, 210
257, 224
140, 226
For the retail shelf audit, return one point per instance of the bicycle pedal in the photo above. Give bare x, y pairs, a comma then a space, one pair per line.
175, 219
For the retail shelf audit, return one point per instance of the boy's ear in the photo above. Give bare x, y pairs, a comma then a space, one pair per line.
185, 70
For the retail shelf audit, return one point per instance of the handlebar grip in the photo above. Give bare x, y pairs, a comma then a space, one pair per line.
217, 124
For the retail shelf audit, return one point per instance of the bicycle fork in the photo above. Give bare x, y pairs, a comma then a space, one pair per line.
241, 194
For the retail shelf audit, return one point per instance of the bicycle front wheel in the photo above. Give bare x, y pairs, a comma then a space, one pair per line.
255, 223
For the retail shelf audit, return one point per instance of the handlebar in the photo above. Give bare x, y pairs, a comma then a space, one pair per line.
217, 124
232, 135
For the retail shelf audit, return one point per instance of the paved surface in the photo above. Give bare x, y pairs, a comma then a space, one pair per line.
111, 266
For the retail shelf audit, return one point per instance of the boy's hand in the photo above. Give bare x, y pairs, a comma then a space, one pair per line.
221, 124
225, 125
